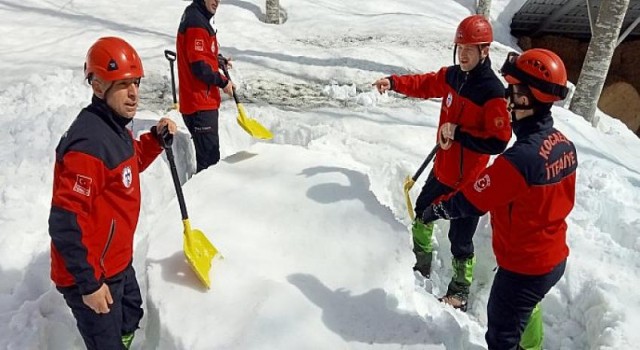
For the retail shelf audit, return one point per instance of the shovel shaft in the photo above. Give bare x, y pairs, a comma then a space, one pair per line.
409, 182
425, 163
176, 183
226, 74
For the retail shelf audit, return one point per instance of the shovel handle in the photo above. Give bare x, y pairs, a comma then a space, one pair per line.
166, 138
171, 56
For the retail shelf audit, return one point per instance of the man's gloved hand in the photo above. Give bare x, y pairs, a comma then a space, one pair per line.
224, 62
163, 131
429, 214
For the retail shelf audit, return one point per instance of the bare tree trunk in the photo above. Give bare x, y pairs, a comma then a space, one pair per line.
483, 7
273, 11
598, 59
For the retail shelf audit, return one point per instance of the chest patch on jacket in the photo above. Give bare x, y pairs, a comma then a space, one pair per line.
127, 177
83, 185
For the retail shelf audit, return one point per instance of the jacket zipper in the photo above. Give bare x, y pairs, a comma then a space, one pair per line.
112, 232
460, 173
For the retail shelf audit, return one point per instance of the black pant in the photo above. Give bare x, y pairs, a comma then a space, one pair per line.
105, 331
513, 297
203, 126
460, 230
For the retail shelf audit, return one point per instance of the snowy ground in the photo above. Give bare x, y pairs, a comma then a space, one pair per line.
312, 225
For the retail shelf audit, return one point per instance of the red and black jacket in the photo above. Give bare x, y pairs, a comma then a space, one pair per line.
529, 190
475, 102
197, 51
96, 197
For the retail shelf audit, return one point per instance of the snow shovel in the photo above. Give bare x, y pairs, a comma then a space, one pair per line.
197, 248
410, 181
251, 126
171, 57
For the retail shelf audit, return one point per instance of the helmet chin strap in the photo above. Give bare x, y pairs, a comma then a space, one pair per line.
455, 49
512, 107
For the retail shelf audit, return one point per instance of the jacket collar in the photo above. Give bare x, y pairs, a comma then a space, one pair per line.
199, 4
102, 110
532, 124
482, 67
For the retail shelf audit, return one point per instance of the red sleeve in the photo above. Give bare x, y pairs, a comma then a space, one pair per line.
496, 121
80, 179
497, 185
197, 46
429, 85
147, 149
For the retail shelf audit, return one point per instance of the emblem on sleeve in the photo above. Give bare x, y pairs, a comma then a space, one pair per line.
127, 178
199, 45
498, 122
82, 185
449, 99
482, 183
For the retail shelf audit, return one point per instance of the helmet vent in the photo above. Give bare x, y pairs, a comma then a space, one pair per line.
538, 65
112, 65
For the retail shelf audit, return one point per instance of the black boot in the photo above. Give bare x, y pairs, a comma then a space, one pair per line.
458, 290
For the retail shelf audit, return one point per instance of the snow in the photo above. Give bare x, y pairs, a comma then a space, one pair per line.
312, 225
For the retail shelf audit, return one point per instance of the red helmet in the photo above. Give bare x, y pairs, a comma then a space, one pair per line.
474, 30
540, 69
111, 59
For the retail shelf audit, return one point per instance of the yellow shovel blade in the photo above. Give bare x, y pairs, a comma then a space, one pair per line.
408, 183
252, 126
199, 252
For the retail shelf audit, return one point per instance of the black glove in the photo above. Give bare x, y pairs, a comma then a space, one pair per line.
164, 137
429, 214
222, 61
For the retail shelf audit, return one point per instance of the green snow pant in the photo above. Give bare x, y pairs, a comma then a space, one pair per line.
422, 246
534, 331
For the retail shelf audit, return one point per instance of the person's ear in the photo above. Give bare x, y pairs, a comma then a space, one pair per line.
98, 87
484, 52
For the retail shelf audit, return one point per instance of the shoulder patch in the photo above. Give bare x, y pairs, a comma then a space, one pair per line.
83, 185
482, 183
199, 45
